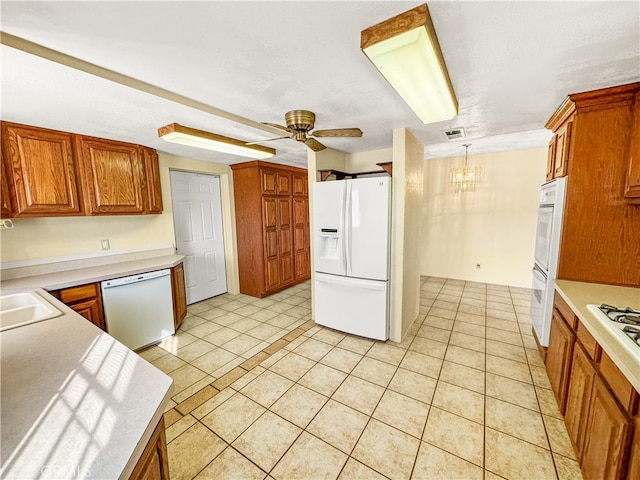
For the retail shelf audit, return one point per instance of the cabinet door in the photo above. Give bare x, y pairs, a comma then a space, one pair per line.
285, 240
283, 183
579, 398
561, 154
91, 310
179, 295
41, 171
551, 159
113, 174
270, 238
151, 179
6, 211
299, 184
559, 355
268, 181
633, 472
301, 237
632, 184
154, 461
86, 300
607, 436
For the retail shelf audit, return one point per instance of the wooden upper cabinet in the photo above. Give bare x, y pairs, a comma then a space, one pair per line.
551, 159
632, 183
41, 172
151, 187
6, 210
562, 150
114, 176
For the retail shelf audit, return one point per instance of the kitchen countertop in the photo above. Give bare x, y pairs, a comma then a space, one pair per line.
76, 403
578, 295
90, 274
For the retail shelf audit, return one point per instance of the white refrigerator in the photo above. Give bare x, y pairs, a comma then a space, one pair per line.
351, 223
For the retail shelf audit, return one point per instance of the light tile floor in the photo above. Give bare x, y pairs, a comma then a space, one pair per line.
261, 392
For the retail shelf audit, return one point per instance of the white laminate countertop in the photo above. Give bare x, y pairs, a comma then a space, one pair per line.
76, 403
579, 294
90, 274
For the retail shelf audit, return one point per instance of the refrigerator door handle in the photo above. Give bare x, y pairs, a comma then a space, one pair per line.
347, 228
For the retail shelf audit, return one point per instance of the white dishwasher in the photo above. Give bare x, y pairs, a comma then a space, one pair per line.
139, 309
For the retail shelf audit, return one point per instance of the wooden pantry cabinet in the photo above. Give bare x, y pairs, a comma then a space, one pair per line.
51, 173
593, 135
272, 226
599, 404
632, 184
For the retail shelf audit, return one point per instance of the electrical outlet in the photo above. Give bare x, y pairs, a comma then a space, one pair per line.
477, 266
105, 244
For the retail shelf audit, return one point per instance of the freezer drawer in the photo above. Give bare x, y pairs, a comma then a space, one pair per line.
352, 305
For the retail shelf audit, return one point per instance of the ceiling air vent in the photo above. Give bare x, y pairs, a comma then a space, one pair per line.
454, 133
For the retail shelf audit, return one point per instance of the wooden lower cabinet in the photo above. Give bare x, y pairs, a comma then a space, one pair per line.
633, 473
599, 402
179, 295
607, 436
86, 300
579, 398
154, 461
559, 356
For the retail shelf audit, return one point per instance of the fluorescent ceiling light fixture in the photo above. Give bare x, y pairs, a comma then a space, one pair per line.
192, 137
406, 51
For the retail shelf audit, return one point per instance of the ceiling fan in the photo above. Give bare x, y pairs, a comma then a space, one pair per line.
299, 126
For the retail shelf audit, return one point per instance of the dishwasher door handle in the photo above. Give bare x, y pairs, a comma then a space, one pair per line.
134, 278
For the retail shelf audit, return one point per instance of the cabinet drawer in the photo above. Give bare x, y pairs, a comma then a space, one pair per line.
79, 293
588, 342
565, 311
620, 386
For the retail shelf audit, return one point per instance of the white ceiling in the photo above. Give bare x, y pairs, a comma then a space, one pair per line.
511, 64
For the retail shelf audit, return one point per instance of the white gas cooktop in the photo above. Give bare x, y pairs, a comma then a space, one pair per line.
631, 346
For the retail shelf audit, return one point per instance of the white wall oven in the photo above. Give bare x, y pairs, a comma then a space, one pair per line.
547, 249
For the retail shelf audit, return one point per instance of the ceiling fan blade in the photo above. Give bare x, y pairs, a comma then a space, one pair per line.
338, 132
278, 126
266, 140
314, 145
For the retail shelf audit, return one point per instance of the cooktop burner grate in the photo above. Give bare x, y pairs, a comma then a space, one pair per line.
627, 316
633, 333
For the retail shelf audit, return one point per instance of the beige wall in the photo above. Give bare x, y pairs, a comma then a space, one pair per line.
366, 161
494, 226
34, 239
408, 155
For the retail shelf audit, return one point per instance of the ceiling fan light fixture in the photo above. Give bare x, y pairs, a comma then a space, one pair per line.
176, 133
406, 51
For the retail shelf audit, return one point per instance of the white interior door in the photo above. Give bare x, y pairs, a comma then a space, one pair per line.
197, 220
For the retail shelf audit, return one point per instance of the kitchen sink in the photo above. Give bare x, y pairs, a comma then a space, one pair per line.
19, 309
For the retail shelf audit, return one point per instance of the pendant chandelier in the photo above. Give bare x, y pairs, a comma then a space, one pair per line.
464, 179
